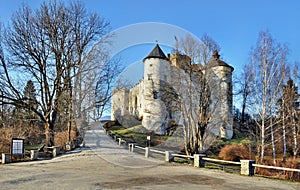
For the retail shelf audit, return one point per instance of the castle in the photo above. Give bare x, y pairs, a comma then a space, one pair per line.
170, 91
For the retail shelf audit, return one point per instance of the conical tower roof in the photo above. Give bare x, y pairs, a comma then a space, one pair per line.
156, 53
216, 61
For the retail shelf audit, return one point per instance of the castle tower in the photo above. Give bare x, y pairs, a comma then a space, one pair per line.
180, 61
156, 72
219, 77
120, 105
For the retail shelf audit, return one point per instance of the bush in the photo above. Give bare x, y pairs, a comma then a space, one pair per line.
5, 140
61, 138
234, 152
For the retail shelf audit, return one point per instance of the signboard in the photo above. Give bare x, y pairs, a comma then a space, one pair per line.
17, 146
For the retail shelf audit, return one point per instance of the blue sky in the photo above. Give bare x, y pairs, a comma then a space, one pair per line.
234, 24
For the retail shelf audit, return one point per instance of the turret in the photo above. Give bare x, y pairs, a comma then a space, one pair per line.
219, 76
156, 66
156, 72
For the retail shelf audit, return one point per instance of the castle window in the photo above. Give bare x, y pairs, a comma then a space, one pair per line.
135, 102
151, 65
149, 76
155, 94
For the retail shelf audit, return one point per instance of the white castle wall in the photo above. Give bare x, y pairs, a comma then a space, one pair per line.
139, 101
155, 112
120, 103
220, 80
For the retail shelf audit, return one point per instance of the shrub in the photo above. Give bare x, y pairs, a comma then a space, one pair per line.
234, 152
61, 138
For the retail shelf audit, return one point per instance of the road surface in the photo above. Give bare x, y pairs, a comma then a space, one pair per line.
102, 164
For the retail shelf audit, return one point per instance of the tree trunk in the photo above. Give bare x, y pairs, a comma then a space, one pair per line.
49, 133
284, 140
295, 148
273, 144
262, 151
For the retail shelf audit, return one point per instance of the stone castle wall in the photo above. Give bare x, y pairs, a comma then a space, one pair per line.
157, 112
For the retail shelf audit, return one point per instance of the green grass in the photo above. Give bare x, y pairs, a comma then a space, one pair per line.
139, 138
32, 147
183, 161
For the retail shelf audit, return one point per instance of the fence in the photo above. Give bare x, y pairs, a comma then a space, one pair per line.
246, 167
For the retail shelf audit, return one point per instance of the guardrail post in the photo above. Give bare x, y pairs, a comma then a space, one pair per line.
147, 152
198, 161
34, 154
247, 168
6, 158
55, 151
131, 147
69, 146
169, 156
120, 141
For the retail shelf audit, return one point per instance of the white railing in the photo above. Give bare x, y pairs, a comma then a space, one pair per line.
247, 166
276, 168
223, 161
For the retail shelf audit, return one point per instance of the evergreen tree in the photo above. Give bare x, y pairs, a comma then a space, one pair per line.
29, 94
289, 110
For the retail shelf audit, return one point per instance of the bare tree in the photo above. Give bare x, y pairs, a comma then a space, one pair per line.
268, 60
192, 94
200, 51
47, 45
244, 90
207, 48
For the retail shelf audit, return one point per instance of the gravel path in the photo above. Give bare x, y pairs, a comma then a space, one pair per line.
104, 165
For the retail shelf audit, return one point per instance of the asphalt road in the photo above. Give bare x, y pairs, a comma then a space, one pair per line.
102, 164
